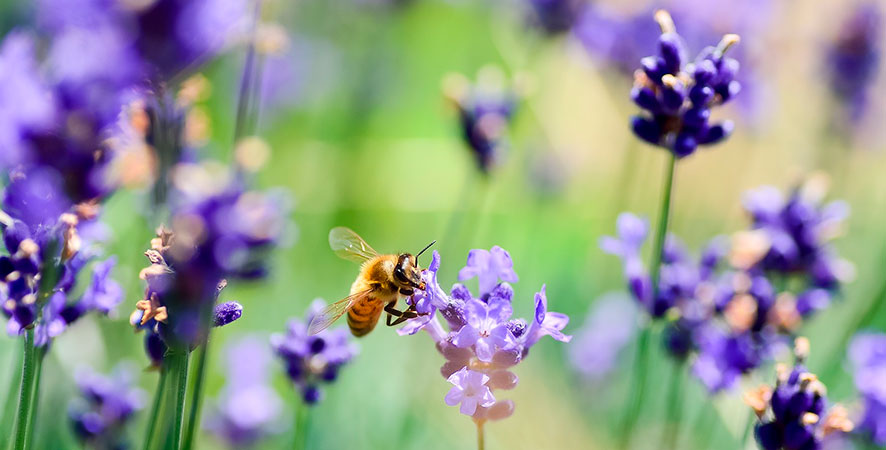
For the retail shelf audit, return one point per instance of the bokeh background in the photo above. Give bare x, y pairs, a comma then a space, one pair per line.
361, 136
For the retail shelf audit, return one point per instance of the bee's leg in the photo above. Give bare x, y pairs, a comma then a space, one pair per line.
402, 316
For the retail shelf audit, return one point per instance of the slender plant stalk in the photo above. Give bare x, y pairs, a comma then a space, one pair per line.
300, 439
702, 424
26, 392
675, 406
481, 435
638, 386
155, 409
241, 122
748, 430
196, 395
642, 362
177, 360
40, 353
7, 415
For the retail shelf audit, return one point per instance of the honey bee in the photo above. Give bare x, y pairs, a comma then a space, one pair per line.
378, 287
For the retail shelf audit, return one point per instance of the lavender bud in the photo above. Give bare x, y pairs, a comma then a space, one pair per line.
225, 313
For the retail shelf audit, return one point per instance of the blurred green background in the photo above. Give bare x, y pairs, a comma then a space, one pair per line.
369, 143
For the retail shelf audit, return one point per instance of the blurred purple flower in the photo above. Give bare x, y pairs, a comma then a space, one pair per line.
108, 403
853, 57
248, 407
867, 353
313, 360
610, 325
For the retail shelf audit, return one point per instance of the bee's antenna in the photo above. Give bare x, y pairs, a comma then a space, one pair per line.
423, 250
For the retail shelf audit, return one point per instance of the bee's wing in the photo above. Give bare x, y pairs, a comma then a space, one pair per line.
348, 245
332, 312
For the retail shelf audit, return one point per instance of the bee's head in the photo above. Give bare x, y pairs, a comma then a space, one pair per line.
407, 273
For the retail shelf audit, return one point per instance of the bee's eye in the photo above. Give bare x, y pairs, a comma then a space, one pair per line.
399, 275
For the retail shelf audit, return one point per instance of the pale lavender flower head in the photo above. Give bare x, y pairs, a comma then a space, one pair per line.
313, 360
106, 405
482, 341
248, 408
486, 328
470, 390
611, 324
867, 353
489, 266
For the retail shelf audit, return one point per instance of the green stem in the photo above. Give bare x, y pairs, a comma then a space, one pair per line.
26, 392
177, 360
702, 424
35, 399
155, 410
675, 406
639, 381
8, 413
638, 385
663, 217
748, 430
196, 395
243, 98
481, 435
300, 441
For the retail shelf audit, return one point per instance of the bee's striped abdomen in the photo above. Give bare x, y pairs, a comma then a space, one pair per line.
363, 316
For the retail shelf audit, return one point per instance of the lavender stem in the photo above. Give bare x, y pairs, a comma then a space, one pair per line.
6, 417
196, 394
25, 392
481, 435
177, 359
675, 406
155, 409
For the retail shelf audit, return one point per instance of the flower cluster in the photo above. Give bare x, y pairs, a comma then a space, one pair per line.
248, 407
485, 109
677, 96
795, 415
853, 57
219, 231
108, 403
312, 360
39, 274
154, 40
792, 239
483, 341
734, 316
867, 352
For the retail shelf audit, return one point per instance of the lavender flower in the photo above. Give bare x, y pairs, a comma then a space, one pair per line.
154, 41
795, 415
485, 110
483, 341
191, 262
313, 360
610, 326
248, 407
554, 16
677, 97
853, 57
108, 403
470, 390
795, 235
867, 353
